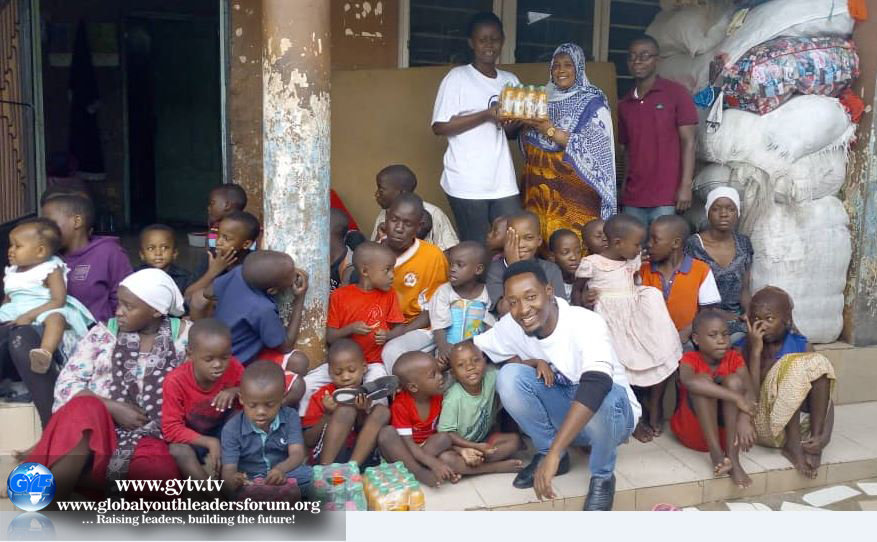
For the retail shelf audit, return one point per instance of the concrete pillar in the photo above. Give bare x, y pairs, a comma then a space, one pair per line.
295, 124
860, 197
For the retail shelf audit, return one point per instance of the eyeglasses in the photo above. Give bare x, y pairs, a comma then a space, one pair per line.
642, 57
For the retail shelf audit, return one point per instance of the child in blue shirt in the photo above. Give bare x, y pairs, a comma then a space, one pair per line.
263, 453
244, 302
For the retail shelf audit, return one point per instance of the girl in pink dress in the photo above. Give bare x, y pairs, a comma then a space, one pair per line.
644, 336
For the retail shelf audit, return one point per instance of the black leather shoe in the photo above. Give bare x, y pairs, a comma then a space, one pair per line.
601, 494
524, 479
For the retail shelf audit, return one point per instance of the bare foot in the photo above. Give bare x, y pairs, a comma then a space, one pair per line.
814, 460
427, 478
739, 476
657, 428
722, 467
643, 432
795, 455
509, 465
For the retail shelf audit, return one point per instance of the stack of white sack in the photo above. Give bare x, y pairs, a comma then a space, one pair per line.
788, 164
690, 37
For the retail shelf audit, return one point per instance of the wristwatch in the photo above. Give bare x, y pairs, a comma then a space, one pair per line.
550, 132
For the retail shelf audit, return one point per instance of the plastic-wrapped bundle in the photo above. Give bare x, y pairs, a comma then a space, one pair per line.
769, 74
788, 18
806, 251
690, 31
711, 176
804, 125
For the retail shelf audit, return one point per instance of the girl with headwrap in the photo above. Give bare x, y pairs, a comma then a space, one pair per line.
108, 395
728, 253
569, 176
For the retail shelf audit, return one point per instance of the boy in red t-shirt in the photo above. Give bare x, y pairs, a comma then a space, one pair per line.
341, 433
366, 313
198, 396
412, 438
716, 400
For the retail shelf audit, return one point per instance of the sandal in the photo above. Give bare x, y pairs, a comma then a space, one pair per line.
379, 388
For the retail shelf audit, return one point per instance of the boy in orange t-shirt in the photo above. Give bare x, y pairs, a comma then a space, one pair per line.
366, 312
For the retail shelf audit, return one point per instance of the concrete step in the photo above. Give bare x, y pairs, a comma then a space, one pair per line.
21, 425
856, 370
664, 471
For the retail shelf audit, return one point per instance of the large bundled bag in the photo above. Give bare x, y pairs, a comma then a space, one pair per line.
769, 74
811, 177
686, 70
690, 31
710, 176
803, 125
806, 250
776, 18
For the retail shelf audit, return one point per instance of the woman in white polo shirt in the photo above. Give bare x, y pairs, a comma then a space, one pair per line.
478, 176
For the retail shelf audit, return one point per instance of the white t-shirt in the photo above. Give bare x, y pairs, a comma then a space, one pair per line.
478, 163
580, 343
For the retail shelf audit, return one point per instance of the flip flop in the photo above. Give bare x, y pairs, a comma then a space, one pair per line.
40, 360
379, 388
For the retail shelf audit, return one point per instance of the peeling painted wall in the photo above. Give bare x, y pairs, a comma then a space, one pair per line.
365, 34
296, 145
860, 197
245, 99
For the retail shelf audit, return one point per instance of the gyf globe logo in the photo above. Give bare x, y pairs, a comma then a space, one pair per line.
31, 486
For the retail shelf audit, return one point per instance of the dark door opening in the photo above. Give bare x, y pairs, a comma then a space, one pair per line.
174, 118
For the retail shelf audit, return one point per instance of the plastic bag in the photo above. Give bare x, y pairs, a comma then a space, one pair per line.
691, 30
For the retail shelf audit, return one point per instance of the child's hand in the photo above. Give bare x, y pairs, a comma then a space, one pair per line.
213, 461
275, 477
329, 403
382, 232
359, 328
589, 298
745, 438
219, 262
381, 335
300, 284
128, 416
471, 456
25, 319
510, 250
745, 405
224, 399
544, 372
443, 354
756, 334
362, 403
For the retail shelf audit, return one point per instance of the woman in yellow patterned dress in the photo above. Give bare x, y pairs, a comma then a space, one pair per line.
569, 176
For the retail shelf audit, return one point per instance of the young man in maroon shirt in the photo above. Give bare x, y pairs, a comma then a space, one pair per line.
657, 121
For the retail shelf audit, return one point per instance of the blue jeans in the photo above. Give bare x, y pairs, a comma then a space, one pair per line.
474, 216
647, 214
540, 411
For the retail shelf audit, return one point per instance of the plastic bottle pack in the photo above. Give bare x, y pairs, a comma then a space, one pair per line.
392, 487
339, 487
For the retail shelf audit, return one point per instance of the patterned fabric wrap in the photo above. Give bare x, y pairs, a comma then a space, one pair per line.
769, 74
146, 393
784, 389
589, 150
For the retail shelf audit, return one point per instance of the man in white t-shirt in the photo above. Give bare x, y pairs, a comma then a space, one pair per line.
563, 383
478, 177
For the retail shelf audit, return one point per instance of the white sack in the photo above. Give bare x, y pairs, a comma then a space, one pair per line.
803, 125
811, 177
711, 176
690, 31
685, 70
806, 250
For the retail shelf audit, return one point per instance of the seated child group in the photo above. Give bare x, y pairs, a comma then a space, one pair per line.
403, 380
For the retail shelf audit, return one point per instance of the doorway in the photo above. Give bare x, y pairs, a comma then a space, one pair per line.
174, 117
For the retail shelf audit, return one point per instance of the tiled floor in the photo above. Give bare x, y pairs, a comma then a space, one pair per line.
663, 471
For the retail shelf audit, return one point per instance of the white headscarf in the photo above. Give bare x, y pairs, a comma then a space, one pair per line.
722, 192
157, 289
